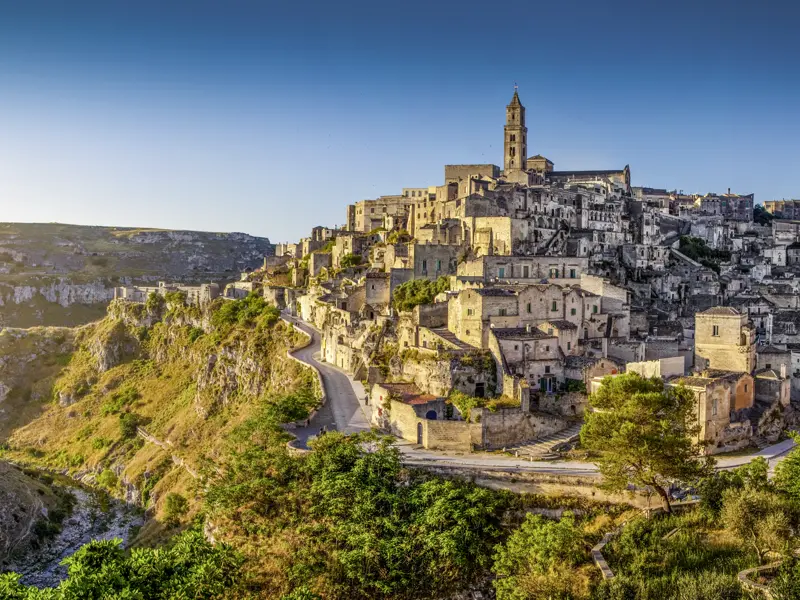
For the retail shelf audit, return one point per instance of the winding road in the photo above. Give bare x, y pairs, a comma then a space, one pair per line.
346, 411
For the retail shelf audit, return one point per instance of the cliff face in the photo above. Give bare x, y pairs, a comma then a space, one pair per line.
140, 402
53, 274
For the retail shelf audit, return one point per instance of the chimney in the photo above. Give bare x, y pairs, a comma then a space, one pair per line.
783, 371
729, 191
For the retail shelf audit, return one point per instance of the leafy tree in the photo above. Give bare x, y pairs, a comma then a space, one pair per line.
697, 249
538, 559
175, 506
418, 291
189, 568
753, 475
761, 216
759, 518
643, 433
128, 423
155, 303
107, 479
787, 473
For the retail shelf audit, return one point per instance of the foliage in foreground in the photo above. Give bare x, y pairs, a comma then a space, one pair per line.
189, 568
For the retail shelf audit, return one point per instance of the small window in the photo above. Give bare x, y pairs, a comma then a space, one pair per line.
572, 312
555, 306
549, 331
572, 273
745, 388
501, 272
594, 309
470, 312
529, 307
715, 330
502, 312
547, 369
569, 345
714, 407
769, 365
547, 348
516, 347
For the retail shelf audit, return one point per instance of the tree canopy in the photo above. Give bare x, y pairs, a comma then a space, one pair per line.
644, 433
418, 291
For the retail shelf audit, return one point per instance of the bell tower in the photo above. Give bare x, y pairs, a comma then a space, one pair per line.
515, 144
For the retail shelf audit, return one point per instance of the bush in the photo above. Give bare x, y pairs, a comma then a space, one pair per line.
246, 312
350, 260
175, 506
120, 399
418, 291
195, 333
128, 423
107, 479
155, 303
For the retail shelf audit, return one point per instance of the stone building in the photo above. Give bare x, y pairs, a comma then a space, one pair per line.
724, 340
722, 399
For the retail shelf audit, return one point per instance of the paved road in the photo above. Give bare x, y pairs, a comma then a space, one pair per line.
345, 411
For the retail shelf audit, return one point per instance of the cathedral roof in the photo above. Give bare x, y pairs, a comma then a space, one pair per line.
515, 100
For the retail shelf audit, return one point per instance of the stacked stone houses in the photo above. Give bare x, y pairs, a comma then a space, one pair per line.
553, 279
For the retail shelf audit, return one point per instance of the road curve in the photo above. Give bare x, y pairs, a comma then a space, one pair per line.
345, 411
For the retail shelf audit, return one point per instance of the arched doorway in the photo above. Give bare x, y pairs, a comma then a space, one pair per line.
430, 415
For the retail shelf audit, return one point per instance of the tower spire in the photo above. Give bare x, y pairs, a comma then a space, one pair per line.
515, 143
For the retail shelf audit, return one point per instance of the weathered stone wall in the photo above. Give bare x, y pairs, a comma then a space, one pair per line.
569, 404
510, 426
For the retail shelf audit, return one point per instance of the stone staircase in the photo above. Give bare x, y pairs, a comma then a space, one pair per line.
450, 337
545, 448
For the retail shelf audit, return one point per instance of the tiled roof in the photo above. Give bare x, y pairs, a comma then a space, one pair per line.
409, 393
493, 291
562, 324
771, 350
518, 333
721, 310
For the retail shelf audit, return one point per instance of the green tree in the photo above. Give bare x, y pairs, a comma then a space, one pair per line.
418, 291
155, 303
128, 423
350, 260
538, 559
787, 473
759, 518
175, 506
752, 475
643, 433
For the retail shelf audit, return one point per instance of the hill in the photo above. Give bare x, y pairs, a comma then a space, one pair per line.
64, 275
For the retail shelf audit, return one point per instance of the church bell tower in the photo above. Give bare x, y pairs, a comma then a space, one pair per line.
515, 145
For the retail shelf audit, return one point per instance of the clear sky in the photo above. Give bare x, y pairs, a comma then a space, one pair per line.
270, 117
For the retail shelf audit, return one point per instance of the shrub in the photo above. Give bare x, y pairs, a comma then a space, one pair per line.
350, 260
107, 479
128, 423
119, 400
175, 506
155, 303
418, 291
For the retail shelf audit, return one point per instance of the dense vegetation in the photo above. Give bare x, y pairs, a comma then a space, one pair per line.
418, 291
698, 250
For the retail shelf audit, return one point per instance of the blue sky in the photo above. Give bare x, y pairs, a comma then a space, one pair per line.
270, 117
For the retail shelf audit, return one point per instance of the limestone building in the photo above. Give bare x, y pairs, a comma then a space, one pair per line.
724, 340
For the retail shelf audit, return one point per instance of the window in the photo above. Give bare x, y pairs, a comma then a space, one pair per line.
594, 309
745, 388
572, 311
715, 330
549, 331
516, 347
501, 272
438, 265
547, 369
424, 266
502, 312
769, 365
372, 210
569, 345
714, 407
513, 138
470, 312
529, 307
572, 273
555, 306
547, 348
526, 272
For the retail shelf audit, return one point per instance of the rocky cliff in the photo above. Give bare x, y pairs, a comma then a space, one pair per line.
53, 274
141, 402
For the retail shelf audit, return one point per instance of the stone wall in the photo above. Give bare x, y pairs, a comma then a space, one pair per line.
511, 426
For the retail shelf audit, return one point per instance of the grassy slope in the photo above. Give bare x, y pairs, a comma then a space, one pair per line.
86, 435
